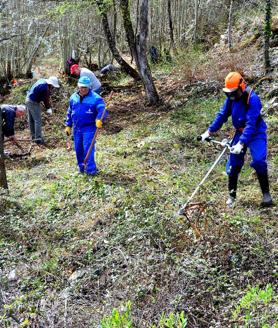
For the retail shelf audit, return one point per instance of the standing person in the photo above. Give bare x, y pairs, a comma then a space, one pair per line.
39, 92
84, 115
9, 113
244, 105
95, 84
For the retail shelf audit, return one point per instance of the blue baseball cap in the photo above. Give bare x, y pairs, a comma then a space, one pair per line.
84, 81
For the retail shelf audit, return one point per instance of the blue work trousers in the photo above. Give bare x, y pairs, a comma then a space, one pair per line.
82, 142
258, 151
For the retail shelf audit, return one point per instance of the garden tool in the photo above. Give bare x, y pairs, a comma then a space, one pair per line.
96, 133
226, 145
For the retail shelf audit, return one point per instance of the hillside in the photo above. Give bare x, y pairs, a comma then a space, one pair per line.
73, 248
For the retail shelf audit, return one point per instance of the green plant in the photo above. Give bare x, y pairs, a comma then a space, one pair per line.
177, 320
118, 319
253, 307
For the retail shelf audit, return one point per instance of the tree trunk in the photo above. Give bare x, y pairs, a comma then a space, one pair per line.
3, 176
124, 4
112, 43
267, 34
171, 29
114, 20
29, 63
230, 26
141, 44
196, 14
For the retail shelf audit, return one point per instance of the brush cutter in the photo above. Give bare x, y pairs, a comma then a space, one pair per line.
96, 133
226, 144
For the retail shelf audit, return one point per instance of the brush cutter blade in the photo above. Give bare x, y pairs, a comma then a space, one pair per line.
181, 211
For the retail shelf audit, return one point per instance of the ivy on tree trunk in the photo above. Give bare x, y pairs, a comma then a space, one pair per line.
3, 176
267, 34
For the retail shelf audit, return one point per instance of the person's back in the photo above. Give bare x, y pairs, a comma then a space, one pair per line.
8, 117
39, 91
108, 68
95, 83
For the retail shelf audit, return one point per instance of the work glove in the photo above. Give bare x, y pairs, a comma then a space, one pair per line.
205, 135
68, 131
237, 149
99, 124
49, 111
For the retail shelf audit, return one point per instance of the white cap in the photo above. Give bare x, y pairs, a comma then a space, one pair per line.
53, 81
21, 108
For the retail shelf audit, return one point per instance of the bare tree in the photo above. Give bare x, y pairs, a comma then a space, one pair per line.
230, 25
112, 43
141, 44
3, 176
196, 15
171, 28
267, 34
22, 34
138, 49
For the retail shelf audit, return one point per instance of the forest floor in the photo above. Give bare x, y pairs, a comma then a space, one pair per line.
73, 247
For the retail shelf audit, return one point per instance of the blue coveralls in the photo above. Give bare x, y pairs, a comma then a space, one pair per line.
81, 115
250, 129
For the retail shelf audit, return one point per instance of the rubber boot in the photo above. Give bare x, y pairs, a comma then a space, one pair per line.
264, 184
232, 185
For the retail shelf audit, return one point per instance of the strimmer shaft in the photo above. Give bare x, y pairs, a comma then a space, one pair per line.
181, 210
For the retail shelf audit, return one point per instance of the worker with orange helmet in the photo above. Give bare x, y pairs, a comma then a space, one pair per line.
244, 106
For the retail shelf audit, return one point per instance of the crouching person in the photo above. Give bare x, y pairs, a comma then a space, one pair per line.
9, 113
84, 115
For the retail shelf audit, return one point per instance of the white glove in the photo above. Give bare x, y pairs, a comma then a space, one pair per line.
205, 135
49, 111
237, 149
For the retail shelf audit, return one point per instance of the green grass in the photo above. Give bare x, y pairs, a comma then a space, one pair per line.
122, 223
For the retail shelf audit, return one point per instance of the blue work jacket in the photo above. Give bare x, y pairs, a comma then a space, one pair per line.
245, 117
84, 111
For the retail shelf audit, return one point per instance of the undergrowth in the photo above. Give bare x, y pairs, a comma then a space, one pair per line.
96, 242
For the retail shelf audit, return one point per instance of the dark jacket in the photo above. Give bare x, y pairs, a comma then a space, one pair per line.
39, 92
8, 117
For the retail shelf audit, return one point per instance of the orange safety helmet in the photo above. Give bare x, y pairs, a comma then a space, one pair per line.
233, 81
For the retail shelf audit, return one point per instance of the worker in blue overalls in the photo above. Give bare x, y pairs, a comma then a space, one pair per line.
85, 114
244, 106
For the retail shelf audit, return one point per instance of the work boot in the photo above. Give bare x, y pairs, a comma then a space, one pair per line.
264, 184
267, 200
232, 190
231, 201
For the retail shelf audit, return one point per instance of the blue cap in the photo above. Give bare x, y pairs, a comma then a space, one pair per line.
84, 81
